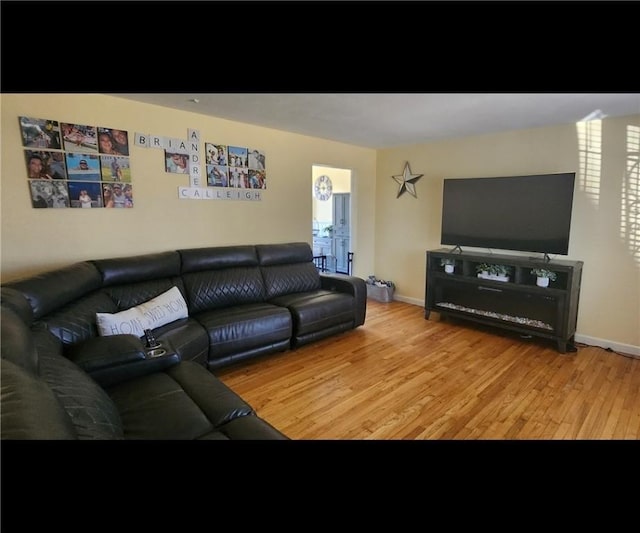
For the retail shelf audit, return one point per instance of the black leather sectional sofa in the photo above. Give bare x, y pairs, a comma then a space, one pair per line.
61, 379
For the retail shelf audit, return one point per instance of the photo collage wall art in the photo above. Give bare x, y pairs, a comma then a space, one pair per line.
76, 165
235, 167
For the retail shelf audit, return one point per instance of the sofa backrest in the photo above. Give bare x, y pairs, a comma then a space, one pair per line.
65, 300
221, 276
287, 268
130, 281
14, 299
52, 290
17, 343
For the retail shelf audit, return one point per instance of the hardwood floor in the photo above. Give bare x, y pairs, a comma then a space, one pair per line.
403, 377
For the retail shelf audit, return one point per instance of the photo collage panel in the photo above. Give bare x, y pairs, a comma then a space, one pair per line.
235, 167
76, 165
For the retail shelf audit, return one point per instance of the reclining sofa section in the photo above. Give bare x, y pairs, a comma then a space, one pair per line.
243, 301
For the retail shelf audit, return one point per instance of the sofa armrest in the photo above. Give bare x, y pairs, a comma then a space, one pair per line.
351, 285
30, 409
117, 358
97, 353
107, 377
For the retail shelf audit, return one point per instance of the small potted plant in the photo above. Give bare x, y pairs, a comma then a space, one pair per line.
493, 272
543, 276
501, 272
448, 264
483, 270
328, 231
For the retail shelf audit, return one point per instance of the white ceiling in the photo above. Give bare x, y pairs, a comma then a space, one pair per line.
386, 120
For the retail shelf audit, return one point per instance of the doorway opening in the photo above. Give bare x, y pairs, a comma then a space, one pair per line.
331, 224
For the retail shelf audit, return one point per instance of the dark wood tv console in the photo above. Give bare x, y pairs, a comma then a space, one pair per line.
518, 304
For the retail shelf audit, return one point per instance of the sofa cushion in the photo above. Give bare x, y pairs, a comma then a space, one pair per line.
93, 414
287, 279
188, 338
240, 328
184, 402
213, 289
163, 309
221, 276
131, 294
217, 401
317, 310
157, 407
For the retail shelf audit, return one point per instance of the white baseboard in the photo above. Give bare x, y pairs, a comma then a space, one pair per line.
629, 349
407, 300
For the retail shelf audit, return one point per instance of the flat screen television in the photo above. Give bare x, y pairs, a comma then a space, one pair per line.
525, 213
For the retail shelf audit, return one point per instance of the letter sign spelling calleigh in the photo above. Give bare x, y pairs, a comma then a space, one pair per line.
191, 145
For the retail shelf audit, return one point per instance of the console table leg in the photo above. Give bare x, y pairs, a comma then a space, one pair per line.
562, 346
426, 314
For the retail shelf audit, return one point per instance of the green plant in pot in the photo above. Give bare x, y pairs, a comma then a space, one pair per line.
543, 276
500, 270
448, 264
486, 269
328, 231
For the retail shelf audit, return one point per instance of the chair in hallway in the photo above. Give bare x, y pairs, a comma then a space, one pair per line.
321, 262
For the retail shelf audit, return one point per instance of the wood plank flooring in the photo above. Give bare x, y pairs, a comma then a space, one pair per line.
403, 377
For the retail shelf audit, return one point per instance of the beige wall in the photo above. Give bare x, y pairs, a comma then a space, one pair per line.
406, 227
34, 240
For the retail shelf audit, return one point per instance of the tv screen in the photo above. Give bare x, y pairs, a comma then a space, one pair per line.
524, 213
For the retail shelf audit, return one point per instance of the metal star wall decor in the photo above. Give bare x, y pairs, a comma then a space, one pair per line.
407, 181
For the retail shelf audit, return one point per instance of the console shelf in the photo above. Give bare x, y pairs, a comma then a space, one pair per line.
517, 304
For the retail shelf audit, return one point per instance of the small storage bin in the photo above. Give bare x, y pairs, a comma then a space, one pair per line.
380, 294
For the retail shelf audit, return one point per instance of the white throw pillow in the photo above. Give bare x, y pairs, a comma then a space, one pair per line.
163, 309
